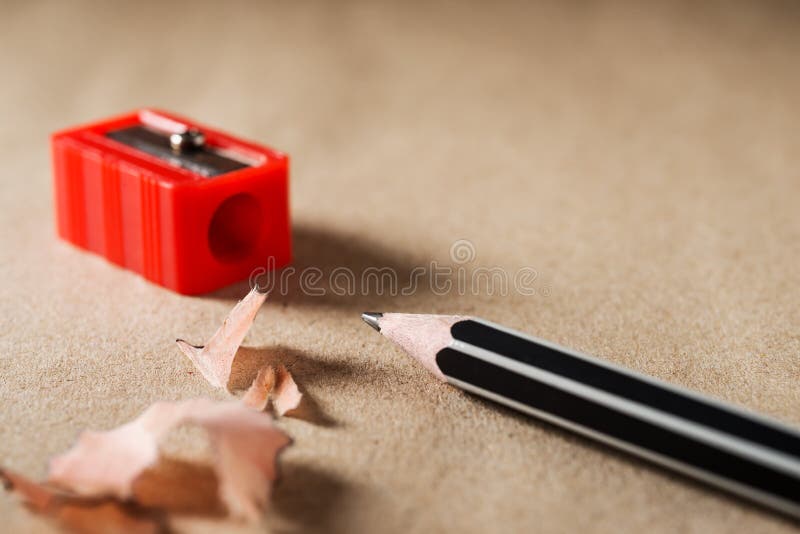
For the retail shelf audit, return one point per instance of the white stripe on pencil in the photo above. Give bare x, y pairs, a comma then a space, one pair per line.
718, 443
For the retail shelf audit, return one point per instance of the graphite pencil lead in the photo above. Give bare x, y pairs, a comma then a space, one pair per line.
372, 318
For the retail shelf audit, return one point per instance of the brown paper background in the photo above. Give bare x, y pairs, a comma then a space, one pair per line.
642, 157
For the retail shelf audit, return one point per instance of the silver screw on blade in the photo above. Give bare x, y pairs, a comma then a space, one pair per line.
191, 139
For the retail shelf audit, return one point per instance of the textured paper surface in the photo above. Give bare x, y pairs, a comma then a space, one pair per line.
642, 159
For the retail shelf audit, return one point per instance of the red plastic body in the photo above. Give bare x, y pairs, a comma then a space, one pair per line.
186, 232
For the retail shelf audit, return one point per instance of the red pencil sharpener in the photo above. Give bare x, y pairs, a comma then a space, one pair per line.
188, 207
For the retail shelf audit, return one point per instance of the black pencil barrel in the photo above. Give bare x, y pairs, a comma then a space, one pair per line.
720, 444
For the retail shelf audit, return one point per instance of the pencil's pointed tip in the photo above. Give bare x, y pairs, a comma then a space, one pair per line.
371, 318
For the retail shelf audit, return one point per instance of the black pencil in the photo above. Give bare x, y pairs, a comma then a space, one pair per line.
718, 443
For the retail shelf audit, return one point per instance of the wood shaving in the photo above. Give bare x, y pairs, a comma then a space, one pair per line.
215, 359
246, 445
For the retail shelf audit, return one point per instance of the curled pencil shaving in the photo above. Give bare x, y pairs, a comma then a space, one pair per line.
257, 395
82, 515
35, 496
276, 384
286, 396
215, 358
246, 445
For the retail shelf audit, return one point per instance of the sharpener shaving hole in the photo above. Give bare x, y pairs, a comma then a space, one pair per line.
235, 228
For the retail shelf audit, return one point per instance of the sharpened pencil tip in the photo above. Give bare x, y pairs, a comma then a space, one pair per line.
371, 318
